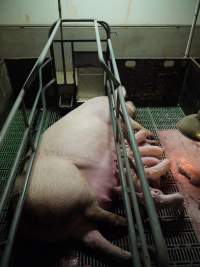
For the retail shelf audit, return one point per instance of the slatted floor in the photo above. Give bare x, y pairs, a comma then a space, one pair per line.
182, 242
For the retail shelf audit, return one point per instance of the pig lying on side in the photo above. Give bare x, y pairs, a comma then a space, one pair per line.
73, 180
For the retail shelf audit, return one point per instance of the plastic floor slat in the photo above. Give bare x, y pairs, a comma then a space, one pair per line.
182, 242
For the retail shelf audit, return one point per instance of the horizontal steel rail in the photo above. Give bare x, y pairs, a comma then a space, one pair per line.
78, 40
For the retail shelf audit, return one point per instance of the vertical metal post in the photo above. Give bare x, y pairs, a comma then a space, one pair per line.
62, 45
74, 75
187, 51
27, 125
59, 9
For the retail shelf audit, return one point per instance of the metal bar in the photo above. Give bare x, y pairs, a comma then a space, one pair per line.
102, 23
78, 40
112, 88
28, 82
106, 27
11, 236
53, 70
6, 255
162, 254
154, 222
132, 233
187, 51
61, 32
11, 115
116, 73
145, 253
74, 76
59, 9
114, 65
27, 125
11, 177
110, 85
146, 259
62, 46
195, 62
63, 54
101, 58
40, 60
53, 64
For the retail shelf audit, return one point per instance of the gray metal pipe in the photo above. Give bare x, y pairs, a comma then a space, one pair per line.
11, 177
161, 249
162, 253
31, 77
187, 51
101, 58
133, 239
146, 257
6, 255
11, 236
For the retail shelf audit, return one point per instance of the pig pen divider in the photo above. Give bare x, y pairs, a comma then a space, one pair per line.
138, 244
27, 138
117, 109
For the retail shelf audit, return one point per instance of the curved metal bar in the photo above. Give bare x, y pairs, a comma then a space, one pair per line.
101, 58
106, 26
31, 77
102, 23
41, 58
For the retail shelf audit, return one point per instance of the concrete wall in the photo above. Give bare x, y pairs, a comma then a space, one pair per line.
24, 26
118, 12
141, 42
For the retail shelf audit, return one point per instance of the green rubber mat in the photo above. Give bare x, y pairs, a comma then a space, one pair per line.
182, 242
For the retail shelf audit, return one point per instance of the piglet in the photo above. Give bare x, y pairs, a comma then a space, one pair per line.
193, 173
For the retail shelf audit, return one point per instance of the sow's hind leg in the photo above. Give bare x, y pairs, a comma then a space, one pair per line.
93, 240
65, 208
89, 235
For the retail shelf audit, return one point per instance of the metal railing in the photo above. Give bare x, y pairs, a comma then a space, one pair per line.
27, 137
117, 110
138, 244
